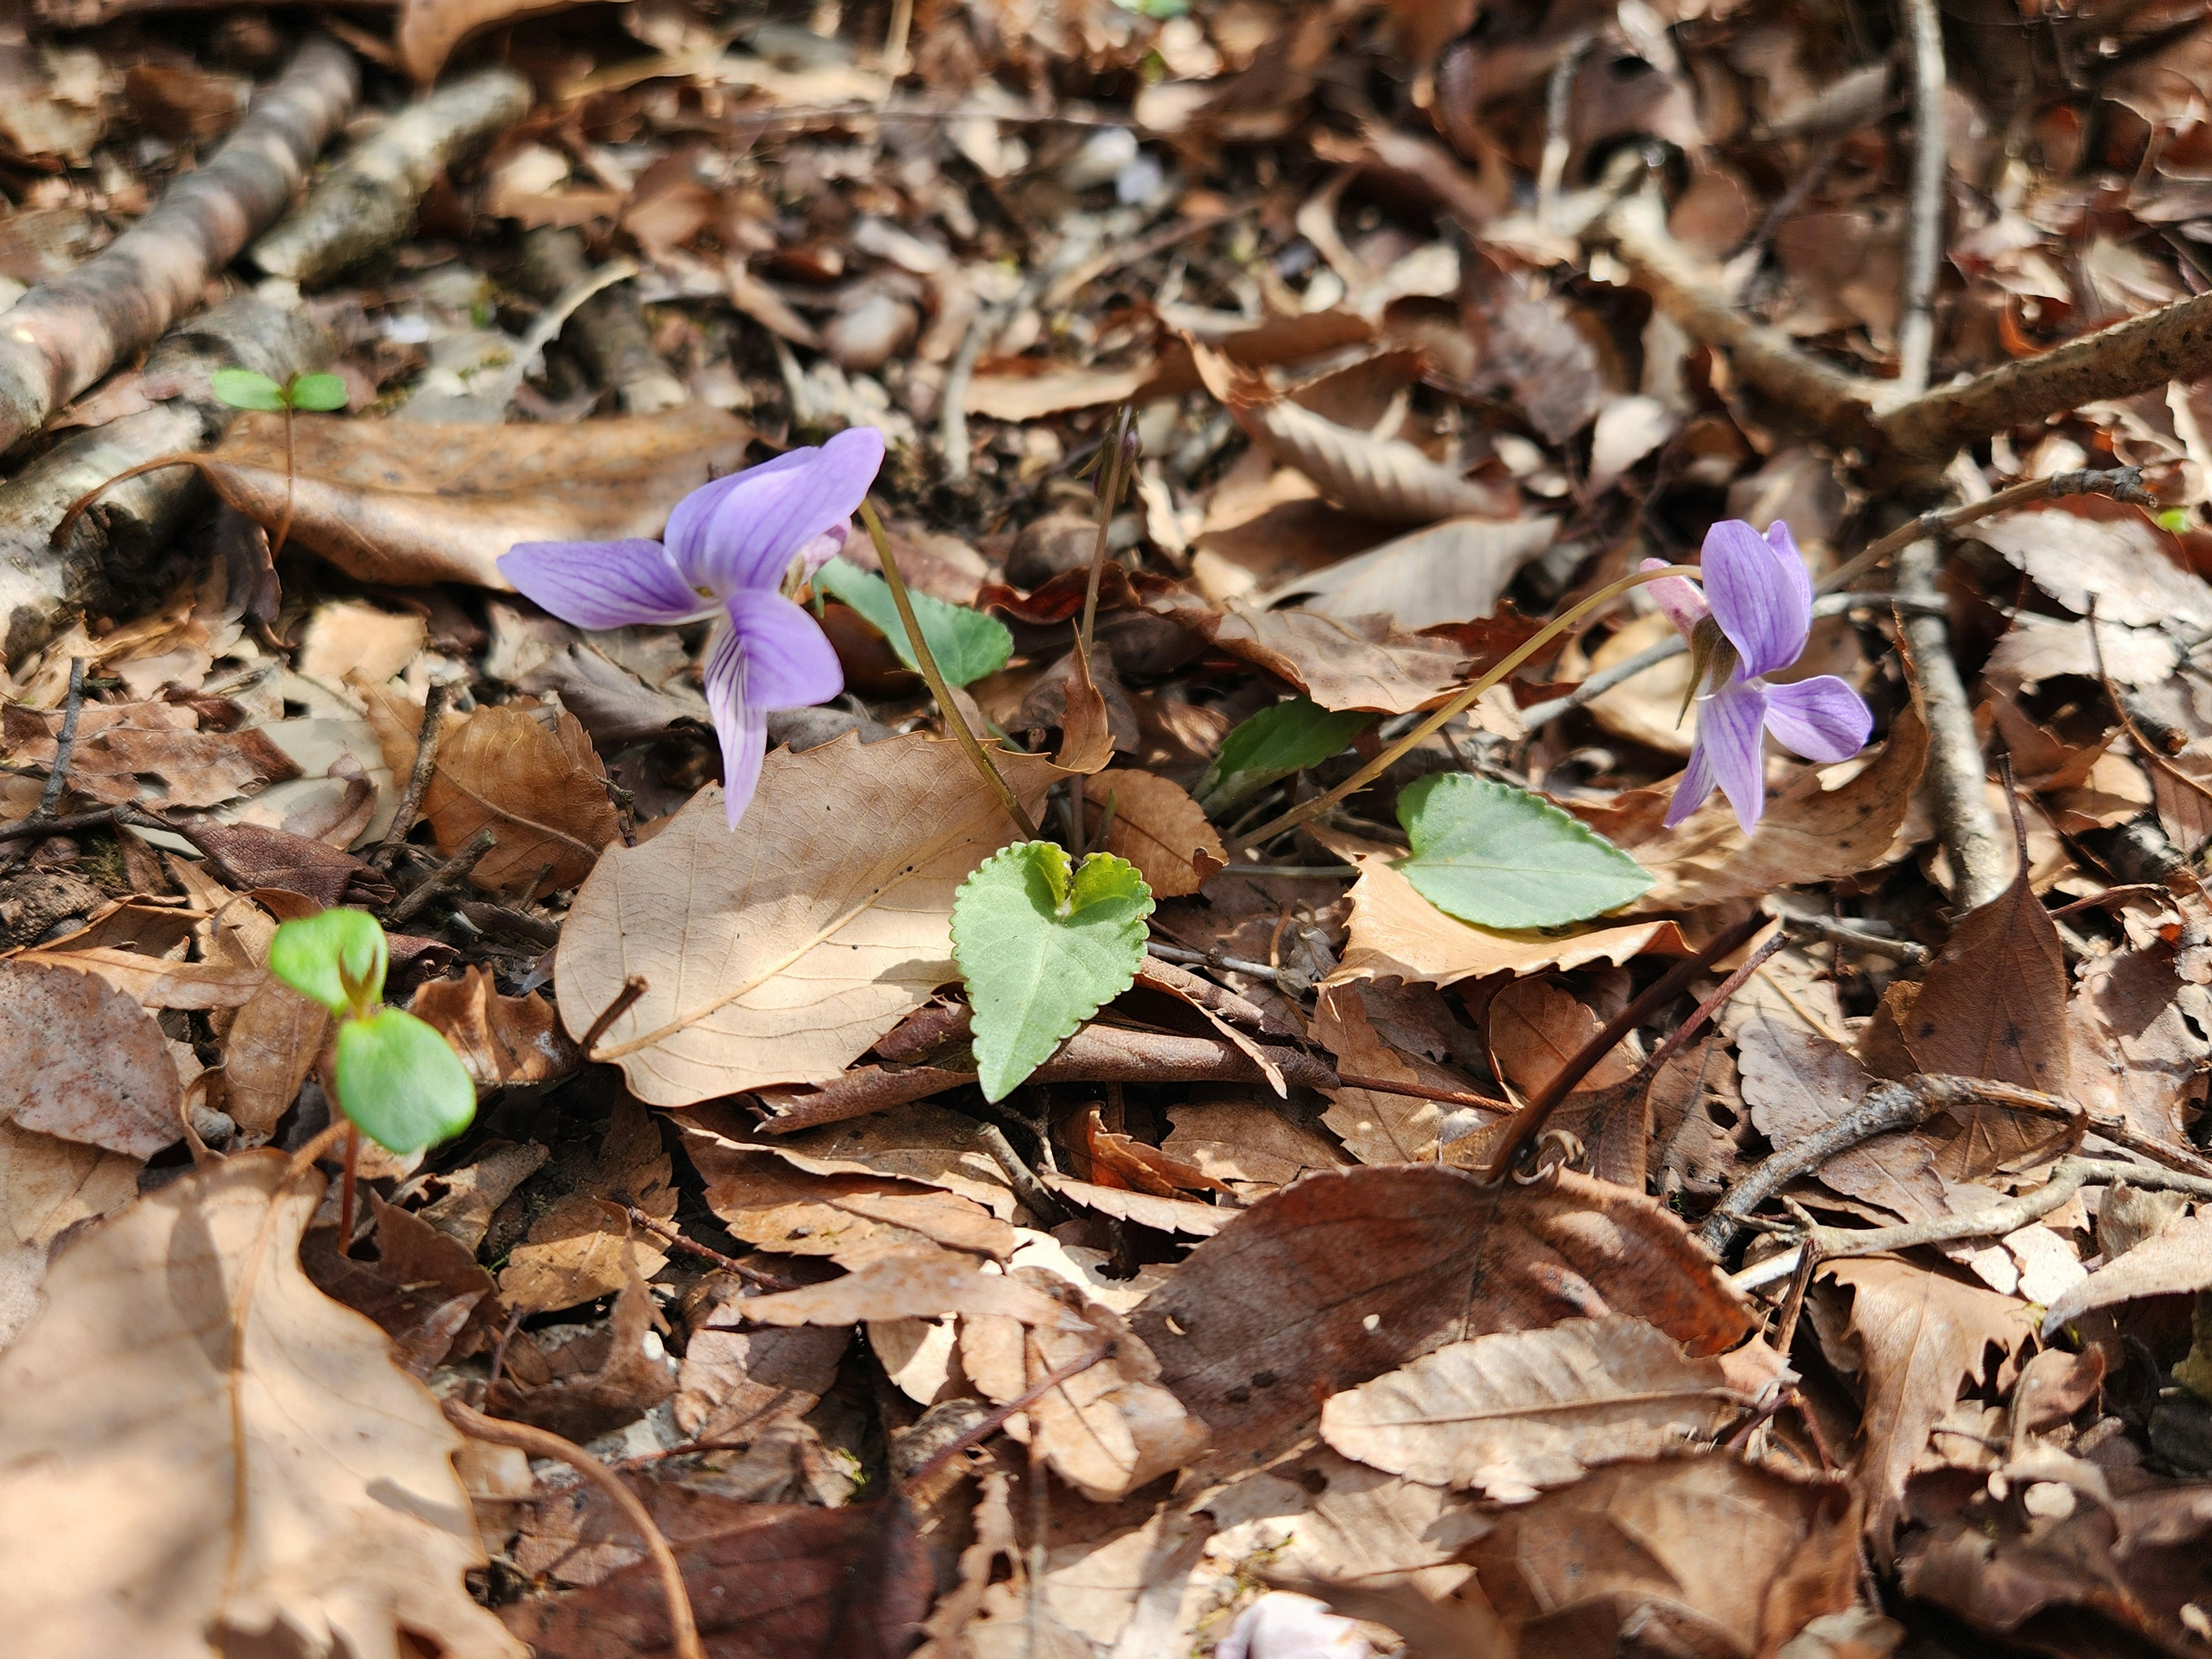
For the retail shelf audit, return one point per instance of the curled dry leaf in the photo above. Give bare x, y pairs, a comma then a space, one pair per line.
119, 1449
408, 502
594, 1383
1343, 1277
271, 1046
85, 1062
779, 952
1721, 1556
424, 1288
1517, 1411
1376, 1125
525, 772
2176, 1260
1358, 662
1453, 571
47, 1187
915, 1285
155, 982
1156, 826
501, 1039
735, 1374
1249, 1146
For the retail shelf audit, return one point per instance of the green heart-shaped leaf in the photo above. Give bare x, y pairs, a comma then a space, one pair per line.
338, 957
1500, 857
966, 644
398, 1080
317, 391
1042, 948
241, 388
1294, 734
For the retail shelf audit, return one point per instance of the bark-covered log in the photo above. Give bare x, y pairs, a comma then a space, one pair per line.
115, 549
367, 201
65, 334
608, 329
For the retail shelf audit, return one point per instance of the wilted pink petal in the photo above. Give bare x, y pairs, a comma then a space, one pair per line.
1821, 718
604, 584
1678, 596
1760, 595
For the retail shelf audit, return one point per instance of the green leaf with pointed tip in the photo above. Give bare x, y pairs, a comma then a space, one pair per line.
1500, 857
1296, 733
241, 388
400, 1081
337, 959
317, 391
1043, 949
966, 644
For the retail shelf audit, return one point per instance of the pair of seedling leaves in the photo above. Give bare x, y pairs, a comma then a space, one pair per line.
394, 1075
1044, 943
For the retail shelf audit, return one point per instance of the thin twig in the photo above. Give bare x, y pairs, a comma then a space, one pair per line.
728, 1264
1383, 1086
1713, 1004
1035, 1195
1228, 964
1111, 468
418, 777
2122, 483
1957, 776
683, 1628
453, 872
65, 745
624, 1000
984, 1427
2150, 752
1923, 229
1295, 872
1905, 950
954, 720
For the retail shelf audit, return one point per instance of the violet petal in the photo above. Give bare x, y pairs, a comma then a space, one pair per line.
1821, 718
740, 723
603, 584
746, 530
1694, 785
1731, 725
1761, 595
789, 662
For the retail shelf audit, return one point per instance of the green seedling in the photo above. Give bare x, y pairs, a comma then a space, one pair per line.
394, 1077
241, 388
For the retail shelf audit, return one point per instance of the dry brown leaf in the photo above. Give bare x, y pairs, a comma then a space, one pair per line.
1360, 662
1516, 1413
430, 29
593, 1384
920, 1141
1452, 571
583, 1247
473, 1192
1376, 1125
2139, 1040
344, 638
1086, 736
149, 752
501, 1039
47, 1187
1398, 934
424, 1288
1052, 389
1248, 1145
911, 1285
1536, 1028
1919, 1337
1343, 1277
1707, 1555
2177, 1260
735, 1374
524, 771
1169, 1215
117, 1451
2081, 545
779, 952
1156, 826
272, 1045
85, 1061
409, 502
1106, 1431
849, 1218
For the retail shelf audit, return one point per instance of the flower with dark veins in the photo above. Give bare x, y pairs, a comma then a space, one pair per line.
1751, 621
733, 550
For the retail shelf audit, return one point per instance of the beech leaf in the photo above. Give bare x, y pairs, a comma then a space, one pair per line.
1500, 857
1292, 735
1042, 946
966, 644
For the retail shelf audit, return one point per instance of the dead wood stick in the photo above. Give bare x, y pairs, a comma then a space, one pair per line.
119, 547
367, 201
1036, 1198
418, 776
2122, 483
609, 331
728, 1264
64, 744
1887, 1106
1957, 775
2068, 1176
684, 1629
983, 1428
450, 874
1908, 952
1923, 227
65, 334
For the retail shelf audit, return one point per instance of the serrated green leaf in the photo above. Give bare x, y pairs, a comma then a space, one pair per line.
241, 388
1500, 857
966, 644
317, 391
1294, 734
1042, 952
399, 1080
337, 959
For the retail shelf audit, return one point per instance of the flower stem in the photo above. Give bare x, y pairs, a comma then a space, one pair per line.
1109, 494
938, 688
1459, 705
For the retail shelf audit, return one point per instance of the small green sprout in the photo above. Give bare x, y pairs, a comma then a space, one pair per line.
395, 1077
241, 388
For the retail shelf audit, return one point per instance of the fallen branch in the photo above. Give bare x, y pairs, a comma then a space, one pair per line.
446, 876
65, 334
1887, 1106
367, 201
1923, 226
1957, 774
609, 331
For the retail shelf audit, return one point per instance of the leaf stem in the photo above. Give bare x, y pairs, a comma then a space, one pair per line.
1109, 494
938, 688
1459, 705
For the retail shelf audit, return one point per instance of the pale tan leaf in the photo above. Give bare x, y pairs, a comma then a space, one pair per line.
2080, 546
1169, 1215
272, 1046
1398, 934
1156, 826
430, 29
1086, 738
1376, 1125
2177, 1260
1517, 1411
584, 1248
47, 1187
1536, 1028
155, 982
119, 1517
1053, 390
85, 1061
1452, 571
1249, 1144
778, 952
1384, 479
921, 1142
916, 1285
1628, 429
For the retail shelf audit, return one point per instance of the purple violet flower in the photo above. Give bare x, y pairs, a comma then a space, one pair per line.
1751, 621
730, 545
